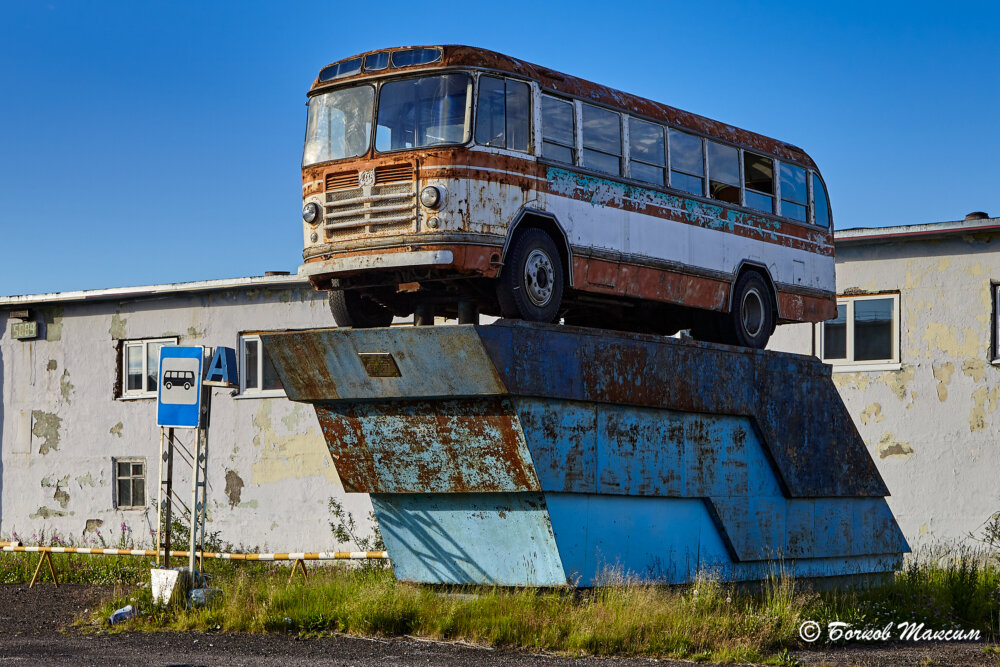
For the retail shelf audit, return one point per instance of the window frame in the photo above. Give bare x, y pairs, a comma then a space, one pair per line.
530, 146
573, 147
584, 148
133, 394
664, 168
995, 343
254, 392
848, 364
131, 460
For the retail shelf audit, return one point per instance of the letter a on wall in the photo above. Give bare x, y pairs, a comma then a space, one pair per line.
178, 394
222, 371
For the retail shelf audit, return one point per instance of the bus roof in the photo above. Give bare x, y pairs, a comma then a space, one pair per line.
454, 55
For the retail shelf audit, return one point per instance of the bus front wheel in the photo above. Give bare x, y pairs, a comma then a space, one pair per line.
350, 309
751, 317
530, 286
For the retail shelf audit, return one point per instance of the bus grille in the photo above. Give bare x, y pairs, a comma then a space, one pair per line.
389, 205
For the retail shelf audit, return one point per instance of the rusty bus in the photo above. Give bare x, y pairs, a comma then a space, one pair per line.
457, 181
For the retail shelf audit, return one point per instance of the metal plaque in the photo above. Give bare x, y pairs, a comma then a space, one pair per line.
23, 330
379, 364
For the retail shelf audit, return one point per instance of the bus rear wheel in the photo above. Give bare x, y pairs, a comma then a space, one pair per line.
530, 286
351, 309
751, 317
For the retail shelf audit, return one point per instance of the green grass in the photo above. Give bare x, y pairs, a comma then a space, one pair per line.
706, 621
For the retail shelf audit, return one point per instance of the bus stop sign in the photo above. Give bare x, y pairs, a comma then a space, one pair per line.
178, 394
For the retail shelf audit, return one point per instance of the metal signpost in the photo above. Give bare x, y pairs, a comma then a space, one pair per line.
182, 402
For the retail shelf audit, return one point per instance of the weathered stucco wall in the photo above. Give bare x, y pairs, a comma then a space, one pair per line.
932, 425
270, 475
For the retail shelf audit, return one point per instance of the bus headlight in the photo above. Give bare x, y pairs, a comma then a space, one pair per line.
310, 212
432, 196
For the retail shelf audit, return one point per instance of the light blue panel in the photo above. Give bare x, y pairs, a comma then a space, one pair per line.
562, 437
671, 540
715, 455
834, 525
767, 527
667, 540
800, 536
470, 538
640, 451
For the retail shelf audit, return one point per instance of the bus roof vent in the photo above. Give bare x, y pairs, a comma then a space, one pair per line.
977, 215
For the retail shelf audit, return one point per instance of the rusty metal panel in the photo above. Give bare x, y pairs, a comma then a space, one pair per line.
791, 398
562, 443
448, 446
327, 364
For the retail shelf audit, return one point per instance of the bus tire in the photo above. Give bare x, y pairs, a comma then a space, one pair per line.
751, 317
167, 385
530, 286
350, 309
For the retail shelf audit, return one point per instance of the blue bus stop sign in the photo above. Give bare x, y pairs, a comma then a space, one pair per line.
178, 395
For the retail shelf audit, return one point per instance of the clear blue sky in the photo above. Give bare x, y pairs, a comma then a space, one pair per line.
155, 142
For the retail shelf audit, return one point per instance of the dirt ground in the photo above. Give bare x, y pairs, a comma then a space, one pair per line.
35, 629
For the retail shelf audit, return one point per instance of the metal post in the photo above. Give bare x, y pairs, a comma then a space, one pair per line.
206, 406
195, 474
159, 501
168, 500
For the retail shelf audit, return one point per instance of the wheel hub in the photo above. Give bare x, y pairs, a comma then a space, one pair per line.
753, 313
538, 277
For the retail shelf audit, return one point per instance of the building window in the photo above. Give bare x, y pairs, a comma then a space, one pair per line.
141, 366
996, 323
130, 483
257, 376
865, 333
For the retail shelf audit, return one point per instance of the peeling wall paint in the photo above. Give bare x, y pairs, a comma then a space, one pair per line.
269, 474
933, 425
45, 427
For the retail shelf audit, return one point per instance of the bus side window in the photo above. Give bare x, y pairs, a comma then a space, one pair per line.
504, 112
518, 115
558, 131
687, 163
794, 194
490, 118
821, 204
723, 173
602, 140
647, 151
758, 179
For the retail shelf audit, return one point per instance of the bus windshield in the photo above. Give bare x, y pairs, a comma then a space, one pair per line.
339, 125
432, 110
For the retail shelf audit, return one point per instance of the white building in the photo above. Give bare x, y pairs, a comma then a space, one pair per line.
79, 442
914, 352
